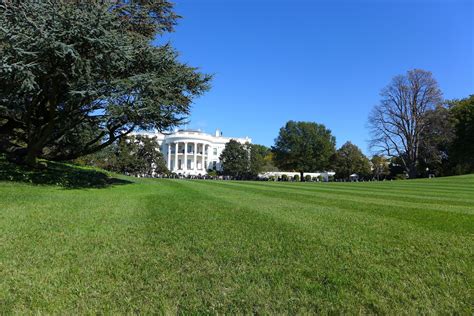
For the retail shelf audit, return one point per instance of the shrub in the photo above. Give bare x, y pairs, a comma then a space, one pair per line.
284, 177
307, 178
320, 178
296, 178
212, 173
401, 176
331, 178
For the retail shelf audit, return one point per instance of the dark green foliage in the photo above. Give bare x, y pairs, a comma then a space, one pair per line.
303, 147
462, 147
261, 149
396, 169
243, 161
212, 173
137, 155
140, 155
76, 76
257, 162
235, 160
348, 160
307, 178
447, 145
435, 142
67, 176
400, 176
266, 163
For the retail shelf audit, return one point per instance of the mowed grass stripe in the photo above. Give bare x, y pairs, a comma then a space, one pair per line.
314, 196
208, 247
435, 188
253, 247
276, 202
409, 189
385, 194
439, 219
301, 211
425, 184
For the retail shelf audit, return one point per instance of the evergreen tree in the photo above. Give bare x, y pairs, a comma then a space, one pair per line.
235, 159
76, 76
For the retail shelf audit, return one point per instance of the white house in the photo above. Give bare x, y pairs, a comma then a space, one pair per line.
193, 152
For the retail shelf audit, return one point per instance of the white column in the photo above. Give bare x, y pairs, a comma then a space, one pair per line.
169, 156
203, 158
208, 156
195, 156
176, 156
185, 156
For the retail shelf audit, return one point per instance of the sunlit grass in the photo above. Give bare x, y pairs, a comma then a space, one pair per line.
249, 247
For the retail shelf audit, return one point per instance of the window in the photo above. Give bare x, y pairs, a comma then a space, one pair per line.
215, 151
214, 165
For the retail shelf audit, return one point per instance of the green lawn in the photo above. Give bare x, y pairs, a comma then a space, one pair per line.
225, 247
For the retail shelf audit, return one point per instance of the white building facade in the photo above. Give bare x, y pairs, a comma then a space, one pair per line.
314, 175
193, 152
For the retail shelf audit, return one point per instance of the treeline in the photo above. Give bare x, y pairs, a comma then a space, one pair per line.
442, 134
415, 127
77, 78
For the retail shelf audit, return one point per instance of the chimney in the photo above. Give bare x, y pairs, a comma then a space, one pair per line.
218, 133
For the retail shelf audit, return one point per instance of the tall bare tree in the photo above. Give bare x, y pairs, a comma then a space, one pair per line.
398, 121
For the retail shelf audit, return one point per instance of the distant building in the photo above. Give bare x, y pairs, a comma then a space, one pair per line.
278, 174
193, 152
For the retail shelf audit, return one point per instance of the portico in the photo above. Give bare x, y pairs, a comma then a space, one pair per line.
188, 157
190, 152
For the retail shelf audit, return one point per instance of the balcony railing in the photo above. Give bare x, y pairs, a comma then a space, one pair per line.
189, 152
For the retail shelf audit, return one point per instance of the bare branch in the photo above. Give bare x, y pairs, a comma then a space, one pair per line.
397, 123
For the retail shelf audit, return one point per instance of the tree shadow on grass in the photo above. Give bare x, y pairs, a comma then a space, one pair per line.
63, 175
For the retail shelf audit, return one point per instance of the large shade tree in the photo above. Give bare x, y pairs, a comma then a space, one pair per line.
243, 161
76, 76
349, 160
235, 159
303, 147
397, 123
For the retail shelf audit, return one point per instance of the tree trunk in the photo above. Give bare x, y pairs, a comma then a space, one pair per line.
31, 159
301, 176
412, 172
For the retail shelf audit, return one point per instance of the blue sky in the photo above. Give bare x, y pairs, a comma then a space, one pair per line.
322, 61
